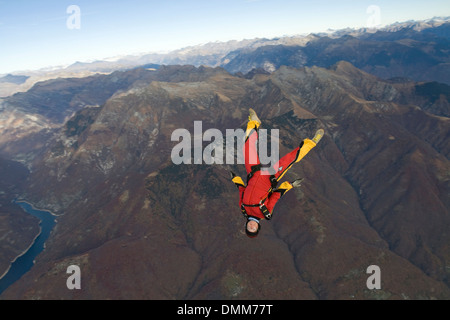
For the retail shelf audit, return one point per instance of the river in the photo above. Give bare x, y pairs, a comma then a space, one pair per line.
24, 262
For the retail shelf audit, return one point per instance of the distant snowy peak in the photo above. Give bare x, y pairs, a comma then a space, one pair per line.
223, 48
394, 27
417, 25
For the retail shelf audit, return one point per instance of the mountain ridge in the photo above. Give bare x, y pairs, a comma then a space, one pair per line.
222, 53
131, 215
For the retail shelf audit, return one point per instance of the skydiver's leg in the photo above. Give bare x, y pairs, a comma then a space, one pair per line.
277, 194
285, 163
251, 139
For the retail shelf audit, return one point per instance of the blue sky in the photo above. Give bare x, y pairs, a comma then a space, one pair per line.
34, 33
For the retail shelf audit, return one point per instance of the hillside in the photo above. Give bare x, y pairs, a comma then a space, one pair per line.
140, 227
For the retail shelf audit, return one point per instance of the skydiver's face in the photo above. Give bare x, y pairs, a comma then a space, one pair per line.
252, 226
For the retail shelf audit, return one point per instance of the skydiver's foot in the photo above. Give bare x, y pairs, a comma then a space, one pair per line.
297, 183
253, 116
318, 136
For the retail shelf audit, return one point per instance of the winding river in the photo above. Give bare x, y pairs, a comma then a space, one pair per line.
24, 262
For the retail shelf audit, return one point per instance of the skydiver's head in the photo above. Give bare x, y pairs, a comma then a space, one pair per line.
252, 227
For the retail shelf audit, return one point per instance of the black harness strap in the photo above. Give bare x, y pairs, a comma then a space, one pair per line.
261, 206
255, 169
244, 212
265, 212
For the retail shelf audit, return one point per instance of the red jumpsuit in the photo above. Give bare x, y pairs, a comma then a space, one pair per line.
259, 187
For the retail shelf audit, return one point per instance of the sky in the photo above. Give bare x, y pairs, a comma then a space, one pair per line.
37, 34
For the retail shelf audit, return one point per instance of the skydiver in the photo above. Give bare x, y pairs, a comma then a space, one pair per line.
258, 198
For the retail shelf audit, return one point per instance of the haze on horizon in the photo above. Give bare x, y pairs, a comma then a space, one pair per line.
40, 34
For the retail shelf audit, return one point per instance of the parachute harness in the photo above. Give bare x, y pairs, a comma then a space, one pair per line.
261, 204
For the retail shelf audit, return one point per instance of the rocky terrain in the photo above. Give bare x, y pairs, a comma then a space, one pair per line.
93, 145
375, 191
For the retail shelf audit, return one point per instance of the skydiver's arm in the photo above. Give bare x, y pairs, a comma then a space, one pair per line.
240, 185
237, 180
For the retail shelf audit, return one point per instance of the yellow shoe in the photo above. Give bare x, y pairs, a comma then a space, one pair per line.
318, 136
253, 116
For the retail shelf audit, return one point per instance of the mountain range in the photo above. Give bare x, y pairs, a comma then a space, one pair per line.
96, 150
417, 50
